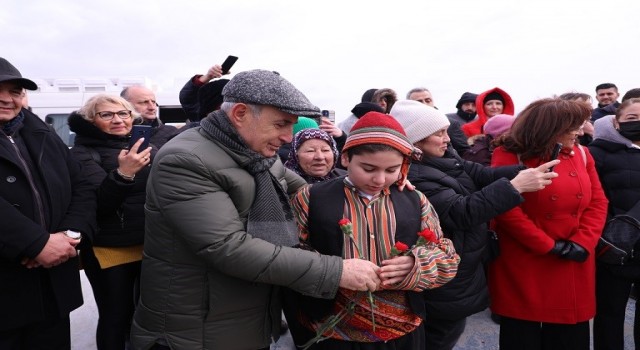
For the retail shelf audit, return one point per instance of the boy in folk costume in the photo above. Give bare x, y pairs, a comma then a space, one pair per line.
364, 215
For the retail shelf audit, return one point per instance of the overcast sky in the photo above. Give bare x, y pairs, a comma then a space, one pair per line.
335, 50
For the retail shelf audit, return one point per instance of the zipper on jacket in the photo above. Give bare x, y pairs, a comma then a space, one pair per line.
120, 214
36, 194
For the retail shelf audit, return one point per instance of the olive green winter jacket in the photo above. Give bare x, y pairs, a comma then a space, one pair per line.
206, 283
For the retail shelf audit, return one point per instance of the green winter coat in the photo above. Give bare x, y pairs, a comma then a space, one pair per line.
207, 284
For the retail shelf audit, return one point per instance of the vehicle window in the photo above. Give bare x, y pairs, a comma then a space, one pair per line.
58, 122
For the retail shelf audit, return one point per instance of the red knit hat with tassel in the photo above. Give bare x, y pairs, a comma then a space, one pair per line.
379, 128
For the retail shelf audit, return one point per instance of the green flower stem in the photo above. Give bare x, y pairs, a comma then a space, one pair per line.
372, 305
330, 324
348, 230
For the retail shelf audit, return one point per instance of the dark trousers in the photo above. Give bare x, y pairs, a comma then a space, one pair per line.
612, 295
115, 291
52, 334
442, 334
531, 335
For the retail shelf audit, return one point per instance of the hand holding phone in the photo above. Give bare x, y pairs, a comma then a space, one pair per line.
329, 114
138, 132
228, 63
555, 153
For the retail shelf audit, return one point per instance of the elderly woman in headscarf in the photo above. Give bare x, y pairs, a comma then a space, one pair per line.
313, 156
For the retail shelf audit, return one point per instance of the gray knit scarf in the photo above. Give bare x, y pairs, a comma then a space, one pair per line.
270, 215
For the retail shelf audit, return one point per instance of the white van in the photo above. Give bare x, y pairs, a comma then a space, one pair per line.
56, 98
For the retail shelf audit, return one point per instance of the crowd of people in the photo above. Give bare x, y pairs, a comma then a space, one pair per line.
383, 232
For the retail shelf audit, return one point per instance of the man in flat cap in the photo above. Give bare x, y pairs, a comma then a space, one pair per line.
220, 230
46, 209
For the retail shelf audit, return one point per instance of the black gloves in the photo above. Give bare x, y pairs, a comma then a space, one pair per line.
569, 250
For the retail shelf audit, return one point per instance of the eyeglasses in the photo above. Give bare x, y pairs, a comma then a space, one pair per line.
123, 114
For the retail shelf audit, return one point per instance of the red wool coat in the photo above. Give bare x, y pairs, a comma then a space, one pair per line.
526, 281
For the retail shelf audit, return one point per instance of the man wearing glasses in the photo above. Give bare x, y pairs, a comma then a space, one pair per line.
47, 207
144, 102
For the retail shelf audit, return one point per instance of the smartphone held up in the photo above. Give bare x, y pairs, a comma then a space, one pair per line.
138, 132
555, 153
228, 63
329, 114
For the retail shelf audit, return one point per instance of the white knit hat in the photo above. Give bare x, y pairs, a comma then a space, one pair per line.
418, 120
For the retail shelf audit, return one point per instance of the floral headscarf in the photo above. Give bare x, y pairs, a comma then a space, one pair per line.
298, 139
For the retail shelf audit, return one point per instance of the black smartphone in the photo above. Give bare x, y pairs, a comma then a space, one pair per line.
329, 114
138, 132
555, 153
228, 63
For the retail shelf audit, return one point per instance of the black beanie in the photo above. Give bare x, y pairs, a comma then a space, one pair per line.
368, 95
466, 97
210, 97
493, 96
363, 108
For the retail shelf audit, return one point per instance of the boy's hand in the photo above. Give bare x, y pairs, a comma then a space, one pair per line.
396, 269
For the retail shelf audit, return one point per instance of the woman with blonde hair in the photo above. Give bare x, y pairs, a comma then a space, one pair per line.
119, 175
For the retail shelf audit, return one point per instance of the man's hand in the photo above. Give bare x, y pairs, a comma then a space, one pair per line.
29, 263
396, 269
359, 274
213, 73
59, 248
535, 179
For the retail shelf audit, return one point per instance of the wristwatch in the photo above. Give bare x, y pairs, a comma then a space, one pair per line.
72, 234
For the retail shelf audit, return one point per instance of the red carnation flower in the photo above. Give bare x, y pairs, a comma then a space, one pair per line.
344, 221
401, 247
428, 235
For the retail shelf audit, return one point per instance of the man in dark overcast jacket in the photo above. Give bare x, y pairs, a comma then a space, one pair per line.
46, 207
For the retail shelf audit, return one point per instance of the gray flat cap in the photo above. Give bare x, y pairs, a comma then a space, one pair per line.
263, 87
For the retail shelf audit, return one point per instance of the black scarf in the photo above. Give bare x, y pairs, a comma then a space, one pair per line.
270, 216
10, 127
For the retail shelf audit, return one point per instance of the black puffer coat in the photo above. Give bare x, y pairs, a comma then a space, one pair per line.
120, 211
619, 170
466, 195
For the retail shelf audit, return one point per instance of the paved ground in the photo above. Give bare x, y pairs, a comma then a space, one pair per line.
481, 332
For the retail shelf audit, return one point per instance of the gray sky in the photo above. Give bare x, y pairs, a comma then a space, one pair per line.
335, 50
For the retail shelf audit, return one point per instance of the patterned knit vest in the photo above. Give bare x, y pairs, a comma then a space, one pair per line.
326, 206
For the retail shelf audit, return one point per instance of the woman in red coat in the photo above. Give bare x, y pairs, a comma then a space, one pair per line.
543, 282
